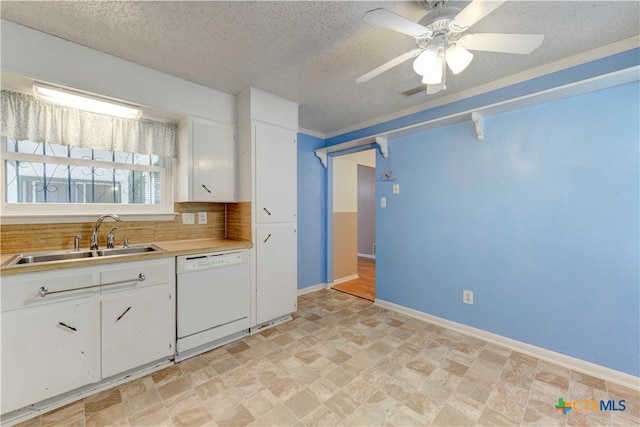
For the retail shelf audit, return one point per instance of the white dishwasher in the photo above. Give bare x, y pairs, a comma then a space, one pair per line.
212, 300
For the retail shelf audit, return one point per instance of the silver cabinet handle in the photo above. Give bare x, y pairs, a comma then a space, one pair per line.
265, 240
205, 187
267, 211
67, 326
44, 291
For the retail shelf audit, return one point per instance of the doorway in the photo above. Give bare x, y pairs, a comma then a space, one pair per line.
354, 224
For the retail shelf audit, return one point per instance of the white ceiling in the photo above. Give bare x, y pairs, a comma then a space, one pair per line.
311, 52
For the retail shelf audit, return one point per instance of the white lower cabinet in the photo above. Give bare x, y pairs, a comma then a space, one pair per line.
66, 329
276, 289
137, 314
136, 328
48, 350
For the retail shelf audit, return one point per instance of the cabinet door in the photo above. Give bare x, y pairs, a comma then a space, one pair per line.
276, 271
48, 350
213, 162
137, 328
276, 174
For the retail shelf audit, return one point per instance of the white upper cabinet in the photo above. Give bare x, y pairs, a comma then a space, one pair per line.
209, 157
275, 173
269, 108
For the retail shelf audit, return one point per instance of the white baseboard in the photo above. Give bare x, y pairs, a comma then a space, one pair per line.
593, 369
312, 288
366, 256
344, 279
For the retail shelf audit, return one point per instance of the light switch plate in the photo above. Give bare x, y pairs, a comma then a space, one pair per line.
202, 217
188, 218
396, 188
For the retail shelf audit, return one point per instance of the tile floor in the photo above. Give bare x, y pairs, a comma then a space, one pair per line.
344, 361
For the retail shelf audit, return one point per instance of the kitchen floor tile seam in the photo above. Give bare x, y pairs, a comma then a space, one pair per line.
493, 386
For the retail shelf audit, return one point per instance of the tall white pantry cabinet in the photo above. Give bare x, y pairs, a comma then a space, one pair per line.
267, 129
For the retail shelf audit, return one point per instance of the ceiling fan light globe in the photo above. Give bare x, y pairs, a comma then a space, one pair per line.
433, 73
424, 61
458, 58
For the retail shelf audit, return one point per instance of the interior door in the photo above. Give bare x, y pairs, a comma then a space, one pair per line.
366, 210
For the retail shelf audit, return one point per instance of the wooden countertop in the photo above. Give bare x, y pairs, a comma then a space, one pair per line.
171, 249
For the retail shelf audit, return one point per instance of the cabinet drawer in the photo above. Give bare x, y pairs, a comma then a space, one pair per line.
23, 290
129, 275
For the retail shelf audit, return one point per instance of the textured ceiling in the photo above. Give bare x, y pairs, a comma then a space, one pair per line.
312, 52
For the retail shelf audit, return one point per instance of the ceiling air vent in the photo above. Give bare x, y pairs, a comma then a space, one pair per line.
414, 91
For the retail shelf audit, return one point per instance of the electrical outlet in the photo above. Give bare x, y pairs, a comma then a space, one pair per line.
202, 217
383, 202
188, 218
467, 297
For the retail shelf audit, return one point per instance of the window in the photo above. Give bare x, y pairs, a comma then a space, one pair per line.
53, 173
57, 161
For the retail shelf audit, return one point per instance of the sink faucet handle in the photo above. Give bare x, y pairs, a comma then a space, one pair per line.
110, 239
76, 242
126, 243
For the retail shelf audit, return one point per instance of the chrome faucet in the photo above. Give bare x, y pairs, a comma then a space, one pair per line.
110, 239
94, 237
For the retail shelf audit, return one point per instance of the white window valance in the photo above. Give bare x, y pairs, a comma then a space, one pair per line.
23, 117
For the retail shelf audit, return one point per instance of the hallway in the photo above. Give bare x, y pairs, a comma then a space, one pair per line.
365, 285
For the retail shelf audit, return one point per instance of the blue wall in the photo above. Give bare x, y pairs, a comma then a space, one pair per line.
540, 220
312, 215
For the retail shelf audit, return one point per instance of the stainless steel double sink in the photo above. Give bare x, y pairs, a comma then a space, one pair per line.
51, 256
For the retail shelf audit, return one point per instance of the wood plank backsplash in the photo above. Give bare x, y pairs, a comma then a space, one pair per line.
239, 221
16, 238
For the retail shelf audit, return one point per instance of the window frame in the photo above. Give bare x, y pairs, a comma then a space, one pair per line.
19, 213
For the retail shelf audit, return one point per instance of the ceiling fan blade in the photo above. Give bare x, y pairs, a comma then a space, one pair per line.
431, 89
475, 11
507, 43
390, 20
389, 65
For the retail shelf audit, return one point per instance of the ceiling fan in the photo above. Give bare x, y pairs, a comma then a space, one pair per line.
440, 38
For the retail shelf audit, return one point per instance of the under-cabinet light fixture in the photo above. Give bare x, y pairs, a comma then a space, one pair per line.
84, 102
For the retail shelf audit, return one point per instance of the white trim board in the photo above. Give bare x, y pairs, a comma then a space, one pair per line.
344, 279
593, 369
312, 288
592, 84
542, 70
